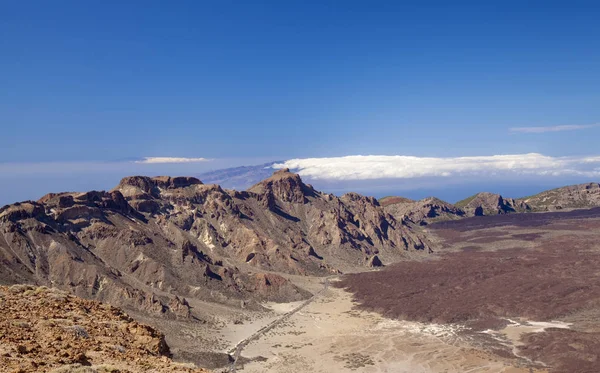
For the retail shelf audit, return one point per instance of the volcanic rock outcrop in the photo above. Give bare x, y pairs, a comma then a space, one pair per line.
150, 243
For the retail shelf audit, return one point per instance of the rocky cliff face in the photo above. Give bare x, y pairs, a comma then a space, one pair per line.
569, 197
150, 243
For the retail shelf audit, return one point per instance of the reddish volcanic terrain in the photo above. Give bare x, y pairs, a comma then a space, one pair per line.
494, 270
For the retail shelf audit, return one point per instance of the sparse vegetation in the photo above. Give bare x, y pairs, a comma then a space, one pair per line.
462, 203
391, 200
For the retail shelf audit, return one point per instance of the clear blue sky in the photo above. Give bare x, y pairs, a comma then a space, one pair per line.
111, 80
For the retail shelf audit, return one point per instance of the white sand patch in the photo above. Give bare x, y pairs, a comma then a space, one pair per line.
541, 326
510, 336
436, 330
207, 239
141, 258
516, 328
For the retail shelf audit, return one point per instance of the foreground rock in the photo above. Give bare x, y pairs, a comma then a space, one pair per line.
48, 330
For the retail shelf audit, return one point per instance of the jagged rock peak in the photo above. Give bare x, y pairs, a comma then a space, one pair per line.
167, 182
21, 210
148, 184
355, 197
285, 186
141, 182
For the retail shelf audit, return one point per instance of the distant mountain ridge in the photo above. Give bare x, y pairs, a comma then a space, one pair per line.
431, 209
568, 197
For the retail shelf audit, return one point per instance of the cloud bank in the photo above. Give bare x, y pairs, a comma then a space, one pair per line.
371, 167
155, 160
570, 127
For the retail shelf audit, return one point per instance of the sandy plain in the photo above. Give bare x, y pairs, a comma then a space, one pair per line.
331, 335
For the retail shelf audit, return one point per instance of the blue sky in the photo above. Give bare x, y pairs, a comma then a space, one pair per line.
245, 82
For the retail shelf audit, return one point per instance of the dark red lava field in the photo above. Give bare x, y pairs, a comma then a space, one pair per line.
538, 267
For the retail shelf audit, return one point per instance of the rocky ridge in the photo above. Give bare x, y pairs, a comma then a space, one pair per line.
151, 244
431, 209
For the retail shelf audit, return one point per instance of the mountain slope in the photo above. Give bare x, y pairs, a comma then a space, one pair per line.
150, 243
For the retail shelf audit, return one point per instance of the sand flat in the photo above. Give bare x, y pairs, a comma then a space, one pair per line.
329, 335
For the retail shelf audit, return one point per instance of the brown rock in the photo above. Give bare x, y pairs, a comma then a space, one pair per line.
106, 327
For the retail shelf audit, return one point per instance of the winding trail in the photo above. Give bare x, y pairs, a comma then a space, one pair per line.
237, 350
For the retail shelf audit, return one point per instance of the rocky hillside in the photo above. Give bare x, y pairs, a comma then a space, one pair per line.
569, 197
48, 330
152, 243
425, 211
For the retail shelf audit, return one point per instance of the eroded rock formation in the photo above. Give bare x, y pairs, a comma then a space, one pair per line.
150, 243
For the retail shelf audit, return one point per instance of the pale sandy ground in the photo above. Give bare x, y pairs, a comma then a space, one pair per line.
329, 335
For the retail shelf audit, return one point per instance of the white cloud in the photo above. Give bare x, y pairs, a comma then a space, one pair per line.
371, 167
155, 160
569, 127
